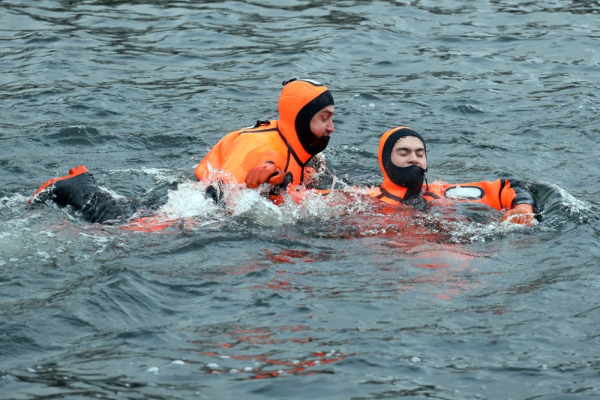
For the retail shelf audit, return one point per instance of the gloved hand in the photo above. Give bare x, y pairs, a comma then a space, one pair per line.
266, 172
522, 214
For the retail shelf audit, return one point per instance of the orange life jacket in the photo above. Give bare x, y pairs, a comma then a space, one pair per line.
240, 151
277, 141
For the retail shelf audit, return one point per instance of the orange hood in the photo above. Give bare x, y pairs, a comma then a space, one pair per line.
391, 180
299, 101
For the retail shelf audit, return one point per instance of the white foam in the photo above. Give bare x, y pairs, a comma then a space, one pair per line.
13, 202
570, 203
250, 203
188, 201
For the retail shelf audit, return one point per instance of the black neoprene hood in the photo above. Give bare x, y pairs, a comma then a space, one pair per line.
311, 143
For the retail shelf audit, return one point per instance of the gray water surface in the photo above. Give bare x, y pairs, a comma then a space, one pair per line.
324, 299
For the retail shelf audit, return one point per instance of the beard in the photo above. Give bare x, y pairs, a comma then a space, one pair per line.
313, 144
410, 177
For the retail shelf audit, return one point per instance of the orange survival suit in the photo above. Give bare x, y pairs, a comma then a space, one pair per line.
405, 185
288, 143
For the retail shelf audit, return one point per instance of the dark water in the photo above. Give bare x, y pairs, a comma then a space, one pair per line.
318, 300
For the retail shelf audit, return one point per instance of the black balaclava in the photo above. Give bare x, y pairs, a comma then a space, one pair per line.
410, 177
311, 143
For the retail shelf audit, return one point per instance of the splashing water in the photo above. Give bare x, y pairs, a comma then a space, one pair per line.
189, 201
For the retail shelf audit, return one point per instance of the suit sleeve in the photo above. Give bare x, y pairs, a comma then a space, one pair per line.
507, 194
500, 194
518, 194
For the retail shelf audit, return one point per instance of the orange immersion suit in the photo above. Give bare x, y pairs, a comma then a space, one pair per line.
288, 142
500, 194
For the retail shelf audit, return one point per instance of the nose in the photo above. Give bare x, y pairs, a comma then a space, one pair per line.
330, 128
412, 158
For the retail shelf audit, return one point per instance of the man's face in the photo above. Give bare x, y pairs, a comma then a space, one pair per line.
409, 150
321, 125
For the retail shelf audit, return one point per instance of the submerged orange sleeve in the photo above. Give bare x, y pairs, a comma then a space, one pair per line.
507, 195
498, 194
